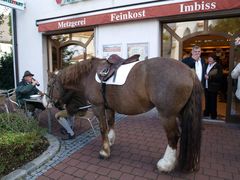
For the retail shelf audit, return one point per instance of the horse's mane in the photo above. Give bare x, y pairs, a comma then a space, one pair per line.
72, 73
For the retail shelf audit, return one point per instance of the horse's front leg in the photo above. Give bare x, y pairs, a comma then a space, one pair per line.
100, 114
168, 162
111, 121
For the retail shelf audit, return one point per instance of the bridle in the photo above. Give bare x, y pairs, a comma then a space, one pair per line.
56, 103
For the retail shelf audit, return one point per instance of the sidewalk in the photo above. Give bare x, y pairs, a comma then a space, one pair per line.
140, 143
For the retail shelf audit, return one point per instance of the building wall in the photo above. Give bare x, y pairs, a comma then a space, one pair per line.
32, 45
127, 33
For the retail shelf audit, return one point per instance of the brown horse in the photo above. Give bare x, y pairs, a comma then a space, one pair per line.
166, 84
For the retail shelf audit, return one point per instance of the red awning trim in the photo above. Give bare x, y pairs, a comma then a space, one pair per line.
190, 7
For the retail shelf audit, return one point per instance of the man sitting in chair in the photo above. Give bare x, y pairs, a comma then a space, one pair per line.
66, 116
25, 89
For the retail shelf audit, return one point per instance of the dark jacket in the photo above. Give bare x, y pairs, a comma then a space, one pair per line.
24, 90
215, 78
190, 62
73, 101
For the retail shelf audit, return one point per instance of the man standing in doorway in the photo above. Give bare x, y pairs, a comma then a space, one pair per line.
197, 63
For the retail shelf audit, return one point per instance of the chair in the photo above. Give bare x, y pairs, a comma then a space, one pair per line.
11, 96
90, 117
3, 105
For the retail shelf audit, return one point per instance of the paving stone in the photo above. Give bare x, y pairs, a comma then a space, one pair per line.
140, 143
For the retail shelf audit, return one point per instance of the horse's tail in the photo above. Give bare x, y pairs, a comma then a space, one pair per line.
191, 125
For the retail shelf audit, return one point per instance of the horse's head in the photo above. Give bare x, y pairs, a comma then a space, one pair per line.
55, 90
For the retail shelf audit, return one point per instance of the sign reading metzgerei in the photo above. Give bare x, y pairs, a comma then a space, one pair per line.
16, 4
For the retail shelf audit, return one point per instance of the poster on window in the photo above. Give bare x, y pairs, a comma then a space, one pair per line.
138, 48
112, 49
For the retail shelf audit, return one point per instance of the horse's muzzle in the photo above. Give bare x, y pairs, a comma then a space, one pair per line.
58, 105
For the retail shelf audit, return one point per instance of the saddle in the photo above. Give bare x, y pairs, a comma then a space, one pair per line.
110, 68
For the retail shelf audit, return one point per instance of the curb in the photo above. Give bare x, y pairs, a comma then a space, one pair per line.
22, 172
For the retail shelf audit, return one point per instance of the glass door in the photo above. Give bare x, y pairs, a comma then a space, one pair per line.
234, 110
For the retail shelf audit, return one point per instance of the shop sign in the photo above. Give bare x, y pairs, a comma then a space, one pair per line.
16, 4
182, 7
64, 2
112, 49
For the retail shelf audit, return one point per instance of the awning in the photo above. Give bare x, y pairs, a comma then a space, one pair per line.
163, 9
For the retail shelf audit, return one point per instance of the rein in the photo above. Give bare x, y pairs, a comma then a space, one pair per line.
85, 107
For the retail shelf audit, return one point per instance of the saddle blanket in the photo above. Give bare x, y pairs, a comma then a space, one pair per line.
121, 75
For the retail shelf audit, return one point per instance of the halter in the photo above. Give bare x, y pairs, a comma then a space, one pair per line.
51, 87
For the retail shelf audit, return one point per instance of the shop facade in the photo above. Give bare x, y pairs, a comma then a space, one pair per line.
52, 35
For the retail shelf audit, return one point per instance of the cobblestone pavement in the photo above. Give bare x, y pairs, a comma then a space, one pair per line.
69, 147
140, 143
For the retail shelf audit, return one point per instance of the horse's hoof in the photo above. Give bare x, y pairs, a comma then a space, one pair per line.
103, 155
164, 166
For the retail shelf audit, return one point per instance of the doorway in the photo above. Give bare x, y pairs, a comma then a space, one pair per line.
69, 48
213, 43
211, 35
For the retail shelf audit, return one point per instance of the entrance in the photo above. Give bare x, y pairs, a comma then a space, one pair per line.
221, 46
233, 110
69, 48
218, 35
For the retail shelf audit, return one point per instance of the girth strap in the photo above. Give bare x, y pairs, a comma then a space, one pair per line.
104, 95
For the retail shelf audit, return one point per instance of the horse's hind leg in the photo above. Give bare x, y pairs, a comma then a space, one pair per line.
111, 121
168, 162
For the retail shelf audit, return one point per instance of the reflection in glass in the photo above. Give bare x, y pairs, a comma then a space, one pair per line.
72, 54
71, 48
170, 45
235, 103
61, 38
183, 29
82, 36
227, 25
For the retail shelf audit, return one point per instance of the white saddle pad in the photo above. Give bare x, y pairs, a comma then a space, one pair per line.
121, 75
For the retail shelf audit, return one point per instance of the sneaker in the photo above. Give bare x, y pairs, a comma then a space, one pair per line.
69, 137
63, 131
213, 117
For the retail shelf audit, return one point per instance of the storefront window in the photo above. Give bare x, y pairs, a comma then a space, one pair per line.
227, 25
170, 45
183, 29
61, 38
82, 36
235, 103
72, 54
71, 48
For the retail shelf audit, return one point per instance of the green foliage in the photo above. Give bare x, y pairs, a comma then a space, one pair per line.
6, 71
15, 122
10, 24
1, 19
20, 140
228, 25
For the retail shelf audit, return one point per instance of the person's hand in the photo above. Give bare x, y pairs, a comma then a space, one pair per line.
206, 77
41, 93
34, 82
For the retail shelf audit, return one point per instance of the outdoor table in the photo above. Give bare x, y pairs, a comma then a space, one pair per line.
39, 100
